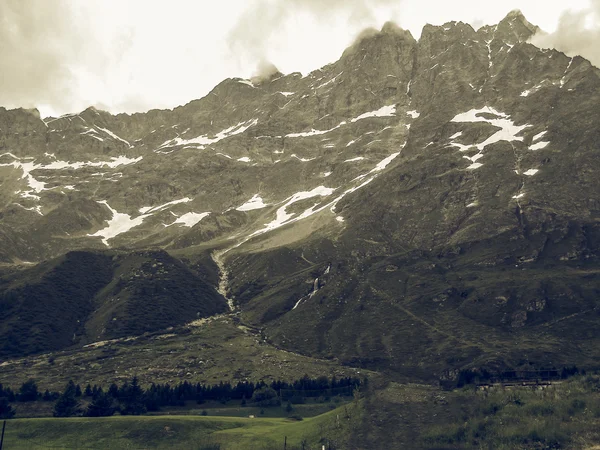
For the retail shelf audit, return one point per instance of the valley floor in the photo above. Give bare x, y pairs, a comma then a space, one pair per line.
390, 415
387, 416
176, 432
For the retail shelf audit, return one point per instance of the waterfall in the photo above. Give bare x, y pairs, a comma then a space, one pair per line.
223, 286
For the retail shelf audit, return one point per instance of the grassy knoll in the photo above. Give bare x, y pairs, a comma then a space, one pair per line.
561, 416
218, 350
233, 409
175, 432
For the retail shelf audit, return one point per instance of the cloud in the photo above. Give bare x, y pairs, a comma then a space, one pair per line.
251, 35
31, 37
578, 33
50, 53
264, 71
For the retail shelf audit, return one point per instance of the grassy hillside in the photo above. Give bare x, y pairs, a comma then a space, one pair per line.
85, 297
190, 432
43, 308
207, 352
419, 314
559, 416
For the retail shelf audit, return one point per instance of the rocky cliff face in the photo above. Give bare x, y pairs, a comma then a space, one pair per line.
443, 191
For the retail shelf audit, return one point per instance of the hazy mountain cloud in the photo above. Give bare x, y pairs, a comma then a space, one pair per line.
264, 71
50, 54
578, 33
133, 55
34, 57
260, 22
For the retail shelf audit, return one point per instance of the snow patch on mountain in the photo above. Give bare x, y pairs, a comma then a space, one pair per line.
474, 166
114, 136
384, 163
540, 145
246, 82
118, 224
282, 217
149, 209
384, 111
508, 130
531, 172
314, 132
37, 208
39, 186
474, 158
327, 83
205, 140
190, 219
358, 158
256, 202
293, 155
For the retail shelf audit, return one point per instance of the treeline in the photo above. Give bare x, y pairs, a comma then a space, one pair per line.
131, 399
483, 376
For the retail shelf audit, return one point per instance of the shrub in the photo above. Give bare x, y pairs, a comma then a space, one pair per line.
266, 396
101, 406
28, 392
6, 411
540, 409
67, 405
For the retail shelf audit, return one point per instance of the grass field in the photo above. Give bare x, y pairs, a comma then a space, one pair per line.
563, 415
177, 432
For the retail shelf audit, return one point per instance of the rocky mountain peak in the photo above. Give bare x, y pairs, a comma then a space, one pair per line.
391, 27
516, 28
266, 72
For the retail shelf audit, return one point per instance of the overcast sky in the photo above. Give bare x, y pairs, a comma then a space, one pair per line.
133, 55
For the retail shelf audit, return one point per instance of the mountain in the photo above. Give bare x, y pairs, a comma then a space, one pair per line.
416, 208
85, 297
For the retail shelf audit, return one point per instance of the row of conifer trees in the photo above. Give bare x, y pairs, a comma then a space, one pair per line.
132, 399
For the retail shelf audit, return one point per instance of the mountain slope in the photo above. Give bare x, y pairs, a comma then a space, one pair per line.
86, 297
416, 207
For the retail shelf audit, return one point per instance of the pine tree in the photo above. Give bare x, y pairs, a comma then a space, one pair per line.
49, 396
88, 391
67, 405
6, 411
28, 392
114, 390
132, 398
101, 406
